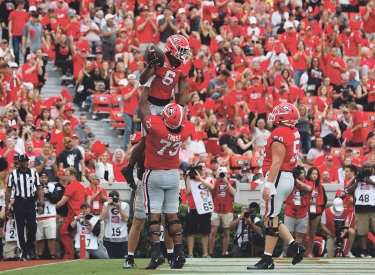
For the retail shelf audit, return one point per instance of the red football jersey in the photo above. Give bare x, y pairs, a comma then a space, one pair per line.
163, 146
167, 78
291, 139
348, 200
223, 200
298, 202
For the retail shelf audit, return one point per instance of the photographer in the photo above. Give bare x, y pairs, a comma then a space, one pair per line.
297, 207
88, 225
46, 222
198, 192
363, 190
223, 195
248, 232
334, 230
115, 215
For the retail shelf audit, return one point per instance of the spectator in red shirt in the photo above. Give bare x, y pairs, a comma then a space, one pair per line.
323, 100
130, 94
146, 27
366, 63
368, 18
328, 166
334, 66
288, 38
68, 115
119, 161
352, 43
358, 131
74, 195
31, 70
240, 63
37, 141
96, 195
301, 61
17, 19
229, 108
234, 28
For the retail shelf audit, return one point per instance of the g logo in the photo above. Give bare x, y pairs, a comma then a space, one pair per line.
102, 98
114, 211
176, 39
285, 108
119, 115
170, 111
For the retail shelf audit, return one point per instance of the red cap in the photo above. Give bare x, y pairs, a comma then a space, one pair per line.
245, 131
302, 32
136, 137
121, 25
69, 108
278, 49
62, 172
328, 157
16, 126
74, 136
234, 19
89, 156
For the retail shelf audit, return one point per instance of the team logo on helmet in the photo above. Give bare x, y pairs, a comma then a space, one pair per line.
175, 39
170, 111
285, 108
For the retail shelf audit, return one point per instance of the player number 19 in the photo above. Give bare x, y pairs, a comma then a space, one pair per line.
168, 78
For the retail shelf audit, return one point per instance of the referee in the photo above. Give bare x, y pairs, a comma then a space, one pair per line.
26, 185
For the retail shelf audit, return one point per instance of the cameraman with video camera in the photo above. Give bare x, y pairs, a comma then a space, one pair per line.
200, 205
88, 225
335, 223
248, 232
115, 215
363, 190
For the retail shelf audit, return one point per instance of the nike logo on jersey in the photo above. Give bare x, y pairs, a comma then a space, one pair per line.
156, 260
270, 266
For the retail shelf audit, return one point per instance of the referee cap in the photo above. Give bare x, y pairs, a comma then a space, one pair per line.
23, 157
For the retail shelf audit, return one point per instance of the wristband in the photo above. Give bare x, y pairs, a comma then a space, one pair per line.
41, 204
268, 185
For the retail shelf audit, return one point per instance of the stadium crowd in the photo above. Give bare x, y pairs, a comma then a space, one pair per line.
247, 58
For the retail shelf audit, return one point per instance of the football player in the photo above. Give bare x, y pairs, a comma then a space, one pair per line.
161, 180
280, 156
162, 73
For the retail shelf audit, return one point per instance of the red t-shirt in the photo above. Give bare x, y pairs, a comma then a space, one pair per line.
257, 99
330, 217
288, 39
300, 63
57, 141
320, 160
162, 145
320, 103
236, 32
358, 136
78, 64
239, 60
19, 19
96, 203
369, 24
333, 73
131, 104
333, 174
37, 144
223, 199
298, 202
147, 34
196, 110
31, 77
350, 43
227, 108
76, 193
291, 139
349, 204
10, 156
117, 171
238, 95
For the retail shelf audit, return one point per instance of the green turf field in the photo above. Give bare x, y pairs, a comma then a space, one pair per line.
326, 266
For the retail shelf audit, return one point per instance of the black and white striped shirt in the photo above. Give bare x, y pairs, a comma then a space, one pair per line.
24, 184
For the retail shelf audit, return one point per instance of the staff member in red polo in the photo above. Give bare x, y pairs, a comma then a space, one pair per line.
74, 195
223, 195
358, 131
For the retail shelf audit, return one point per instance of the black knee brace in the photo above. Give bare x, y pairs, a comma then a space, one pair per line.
153, 232
2, 221
270, 230
171, 234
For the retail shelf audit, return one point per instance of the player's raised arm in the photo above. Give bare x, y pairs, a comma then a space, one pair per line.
181, 95
155, 56
144, 110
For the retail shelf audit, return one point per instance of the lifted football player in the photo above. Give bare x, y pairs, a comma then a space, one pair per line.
280, 156
163, 71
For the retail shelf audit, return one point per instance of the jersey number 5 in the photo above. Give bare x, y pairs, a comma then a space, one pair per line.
295, 151
168, 144
168, 78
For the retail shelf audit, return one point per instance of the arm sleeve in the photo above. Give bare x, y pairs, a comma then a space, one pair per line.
323, 220
96, 230
54, 197
10, 181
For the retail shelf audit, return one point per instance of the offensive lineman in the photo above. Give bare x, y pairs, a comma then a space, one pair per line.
281, 155
161, 180
174, 70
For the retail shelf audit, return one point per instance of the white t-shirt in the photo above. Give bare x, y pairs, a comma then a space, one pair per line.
314, 153
328, 127
281, 57
261, 137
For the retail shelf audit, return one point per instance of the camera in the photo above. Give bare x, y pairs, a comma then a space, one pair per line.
192, 170
115, 199
222, 175
45, 189
361, 175
339, 226
88, 217
245, 246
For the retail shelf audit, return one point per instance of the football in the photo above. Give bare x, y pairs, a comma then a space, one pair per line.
159, 53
